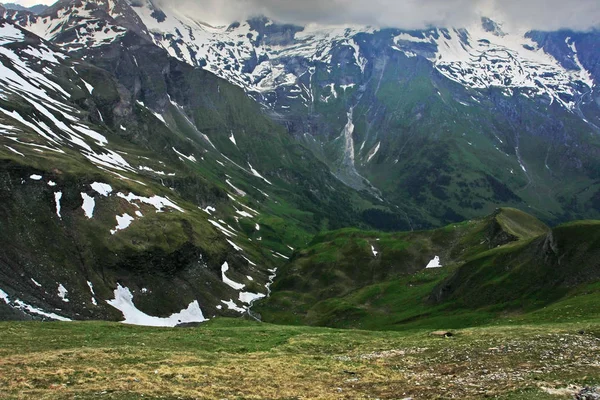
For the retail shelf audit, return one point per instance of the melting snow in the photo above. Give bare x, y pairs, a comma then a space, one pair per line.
91, 286
232, 306
4, 297
232, 138
62, 293
249, 298
124, 302
249, 262
88, 205
15, 151
209, 210
374, 152
123, 222
244, 214
234, 285
102, 188
235, 246
225, 231
36, 283
280, 255
255, 173
238, 191
89, 87
435, 263
374, 251
57, 197
18, 304
36, 177
160, 117
180, 154
158, 202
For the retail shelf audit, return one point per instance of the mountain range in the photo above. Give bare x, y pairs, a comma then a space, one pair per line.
36, 9
148, 155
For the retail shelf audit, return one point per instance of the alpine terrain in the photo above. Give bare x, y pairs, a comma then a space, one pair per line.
313, 200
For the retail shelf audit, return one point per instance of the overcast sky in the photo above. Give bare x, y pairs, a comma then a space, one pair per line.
531, 14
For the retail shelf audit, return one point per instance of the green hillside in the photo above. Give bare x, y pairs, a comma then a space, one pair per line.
504, 265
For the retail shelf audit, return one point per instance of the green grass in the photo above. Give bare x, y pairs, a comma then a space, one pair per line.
494, 269
240, 359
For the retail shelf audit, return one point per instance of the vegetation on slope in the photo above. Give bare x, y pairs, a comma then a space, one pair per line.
506, 264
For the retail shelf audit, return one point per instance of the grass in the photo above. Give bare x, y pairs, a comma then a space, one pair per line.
240, 359
506, 265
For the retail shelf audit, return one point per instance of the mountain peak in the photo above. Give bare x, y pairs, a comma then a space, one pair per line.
492, 27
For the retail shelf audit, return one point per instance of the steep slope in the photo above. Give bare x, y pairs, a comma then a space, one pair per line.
377, 104
445, 124
140, 176
85, 211
468, 273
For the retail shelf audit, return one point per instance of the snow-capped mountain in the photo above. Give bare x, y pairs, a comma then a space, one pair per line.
128, 121
262, 56
110, 209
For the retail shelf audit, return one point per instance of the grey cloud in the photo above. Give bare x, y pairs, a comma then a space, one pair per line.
407, 14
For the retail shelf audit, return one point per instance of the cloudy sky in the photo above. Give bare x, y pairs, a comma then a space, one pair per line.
531, 14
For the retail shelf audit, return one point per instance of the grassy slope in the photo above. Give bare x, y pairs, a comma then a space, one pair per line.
168, 252
238, 359
501, 266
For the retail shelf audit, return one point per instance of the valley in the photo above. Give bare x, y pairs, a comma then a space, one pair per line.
267, 209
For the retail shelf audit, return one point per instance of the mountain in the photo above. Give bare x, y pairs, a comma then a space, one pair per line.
377, 104
479, 271
162, 170
443, 124
37, 9
128, 175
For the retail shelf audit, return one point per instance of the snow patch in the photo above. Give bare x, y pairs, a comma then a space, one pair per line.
123, 223
374, 152
375, 252
235, 246
102, 188
249, 298
209, 210
157, 201
255, 173
57, 197
234, 285
232, 306
62, 293
89, 87
88, 205
435, 263
123, 302
91, 286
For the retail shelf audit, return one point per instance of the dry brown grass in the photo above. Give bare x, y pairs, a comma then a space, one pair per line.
510, 363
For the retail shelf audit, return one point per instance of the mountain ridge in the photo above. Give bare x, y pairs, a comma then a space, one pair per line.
300, 131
